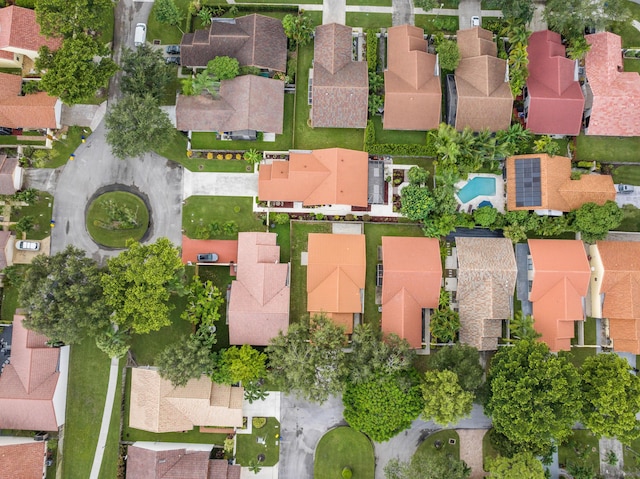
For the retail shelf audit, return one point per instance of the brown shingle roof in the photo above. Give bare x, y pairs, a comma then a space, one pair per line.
247, 102
557, 190
259, 302
413, 94
22, 461
254, 40
7, 168
484, 97
486, 280
334, 176
336, 275
157, 406
37, 110
412, 273
340, 88
19, 30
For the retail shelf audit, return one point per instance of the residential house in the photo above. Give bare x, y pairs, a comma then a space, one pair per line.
244, 106
20, 38
336, 269
612, 106
411, 277
615, 291
553, 99
162, 460
156, 406
259, 299
10, 175
486, 280
332, 176
33, 386
479, 96
543, 183
339, 85
558, 274
254, 40
412, 90
22, 458
35, 111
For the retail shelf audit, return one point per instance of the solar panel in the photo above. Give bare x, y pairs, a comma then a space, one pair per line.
528, 182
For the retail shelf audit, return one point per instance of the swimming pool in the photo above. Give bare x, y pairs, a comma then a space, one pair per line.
478, 186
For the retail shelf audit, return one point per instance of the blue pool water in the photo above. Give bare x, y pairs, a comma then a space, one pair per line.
478, 186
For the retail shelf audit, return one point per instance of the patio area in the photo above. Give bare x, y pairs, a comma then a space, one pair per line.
481, 189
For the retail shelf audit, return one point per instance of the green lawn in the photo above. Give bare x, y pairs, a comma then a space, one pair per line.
376, 3
109, 466
430, 23
62, 149
106, 35
52, 445
167, 34
629, 174
608, 148
201, 211
631, 455
100, 222
397, 136
488, 450
299, 240
10, 297
428, 446
41, 212
630, 219
630, 35
577, 355
248, 448
632, 65
582, 447
590, 331
344, 447
220, 277
169, 95
368, 20
284, 240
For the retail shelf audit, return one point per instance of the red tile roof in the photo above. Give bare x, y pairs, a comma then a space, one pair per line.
333, 176
412, 273
22, 461
259, 303
20, 30
556, 101
227, 250
616, 94
413, 94
37, 110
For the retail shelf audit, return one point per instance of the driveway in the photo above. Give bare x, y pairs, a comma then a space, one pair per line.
471, 450
402, 12
466, 10
220, 184
632, 198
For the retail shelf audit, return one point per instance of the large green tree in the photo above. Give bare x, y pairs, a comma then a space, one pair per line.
534, 396
428, 466
244, 364
570, 17
62, 296
167, 12
611, 397
182, 360
136, 125
69, 18
309, 359
145, 72
521, 465
464, 361
417, 202
224, 68
445, 402
520, 11
298, 28
138, 283
448, 55
595, 221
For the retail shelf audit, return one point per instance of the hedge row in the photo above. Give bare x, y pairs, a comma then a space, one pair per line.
399, 149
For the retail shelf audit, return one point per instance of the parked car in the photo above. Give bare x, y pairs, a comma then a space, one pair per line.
172, 60
173, 50
24, 245
625, 188
207, 258
475, 21
140, 34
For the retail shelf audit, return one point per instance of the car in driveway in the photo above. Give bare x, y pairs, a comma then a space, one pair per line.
172, 60
475, 21
625, 188
173, 50
24, 245
207, 258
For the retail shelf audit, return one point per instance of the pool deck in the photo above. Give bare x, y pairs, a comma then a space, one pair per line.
498, 200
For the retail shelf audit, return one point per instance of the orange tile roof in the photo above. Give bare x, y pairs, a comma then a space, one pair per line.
558, 191
336, 272
561, 275
334, 176
412, 273
616, 94
37, 110
227, 250
621, 289
22, 461
259, 301
20, 30
413, 93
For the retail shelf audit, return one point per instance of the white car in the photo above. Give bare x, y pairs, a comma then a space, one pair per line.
24, 245
140, 34
475, 21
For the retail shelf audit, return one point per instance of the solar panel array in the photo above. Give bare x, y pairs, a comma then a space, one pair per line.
528, 182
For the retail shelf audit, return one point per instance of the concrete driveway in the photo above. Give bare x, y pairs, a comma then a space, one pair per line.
220, 184
632, 198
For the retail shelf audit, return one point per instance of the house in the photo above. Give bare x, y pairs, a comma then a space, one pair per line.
612, 106
156, 406
254, 40
244, 106
22, 458
259, 299
332, 176
339, 85
615, 291
412, 90
479, 96
33, 386
20, 38
336, 269
543, 183
411, 277
553, 99
558, 274
10, 175
165, 460
31, 112
486, 280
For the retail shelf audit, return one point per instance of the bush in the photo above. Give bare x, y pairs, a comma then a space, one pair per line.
346, 473
259, 422
281, 218
372, 50
369, 136
402, 149
26, 3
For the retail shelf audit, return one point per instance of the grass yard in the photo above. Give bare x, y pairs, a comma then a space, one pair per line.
428, 446
397, 136
426, 163
102, 223
201, 211
629, 174
63, 148
10, 297
578, 354
488, 450
430, 23
368, 20
41, 211
582, 447
220, 277
106, 35
375, 3
608, 148
630, 35
590, 331
299, 240
169, 95
630, 219
248, 448
109, 466
344, 447
632, 64
284, 240
167, 34
631, 455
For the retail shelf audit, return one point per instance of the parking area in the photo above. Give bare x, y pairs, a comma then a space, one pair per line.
629, 198
25, 257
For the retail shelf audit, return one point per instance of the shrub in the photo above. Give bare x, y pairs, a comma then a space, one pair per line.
319, 216
346, 473
219, 156
228, 156
236, 209
209, 156
366, 218
259, 422
372, 50
349, 217
369, 136
281, 218
26, 3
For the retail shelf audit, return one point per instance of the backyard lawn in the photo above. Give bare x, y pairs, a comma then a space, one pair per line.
109, 467
629, 174
344, 447
397, 136
581, 448
220, 277
630, 35
202, 211
630, 219
578, 354
368, 20
248, 448
40, 211
608, 148
428, 446
631, 456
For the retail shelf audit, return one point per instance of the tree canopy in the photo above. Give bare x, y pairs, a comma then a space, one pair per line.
570, 17
167, 12
224, 68
464, 361
298, 28
516, 10
244, 364
431, 466
448, 54
62, 296
522, 464
595, 221
417, 202
182, 360
145, 72
69, 18
445, 402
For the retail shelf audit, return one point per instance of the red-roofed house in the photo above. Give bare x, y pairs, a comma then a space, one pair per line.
34, 111
612, 106
259, 301
554, 102
22, 458
559, 277
33, 386
412, 273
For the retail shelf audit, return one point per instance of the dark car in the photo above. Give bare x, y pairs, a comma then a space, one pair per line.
173, 50
207, 258
172, 60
